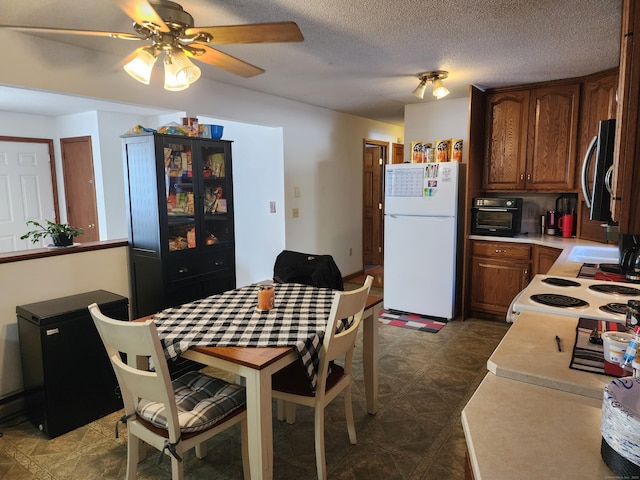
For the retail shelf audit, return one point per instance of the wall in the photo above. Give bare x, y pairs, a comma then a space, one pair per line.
441, 119
322, 148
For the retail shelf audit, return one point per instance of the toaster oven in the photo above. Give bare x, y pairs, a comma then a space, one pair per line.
496, 216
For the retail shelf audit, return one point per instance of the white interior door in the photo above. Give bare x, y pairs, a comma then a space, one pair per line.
26, 192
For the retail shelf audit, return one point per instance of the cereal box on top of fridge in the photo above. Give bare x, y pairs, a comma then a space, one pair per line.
416, 152
456, 150
442, 150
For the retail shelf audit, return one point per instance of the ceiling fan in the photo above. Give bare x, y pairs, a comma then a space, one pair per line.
171, 31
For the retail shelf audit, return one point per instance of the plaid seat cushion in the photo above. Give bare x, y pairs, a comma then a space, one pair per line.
202, 401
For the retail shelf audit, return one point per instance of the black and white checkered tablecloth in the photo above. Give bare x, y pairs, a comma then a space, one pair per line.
298, 320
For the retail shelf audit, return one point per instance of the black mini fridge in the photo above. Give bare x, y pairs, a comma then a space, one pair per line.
68, 378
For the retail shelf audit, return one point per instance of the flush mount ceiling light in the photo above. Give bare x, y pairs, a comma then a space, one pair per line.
439, 90
171, 31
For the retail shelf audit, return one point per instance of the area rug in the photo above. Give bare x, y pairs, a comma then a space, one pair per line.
410, 320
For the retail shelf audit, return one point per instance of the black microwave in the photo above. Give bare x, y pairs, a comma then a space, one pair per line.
496, 216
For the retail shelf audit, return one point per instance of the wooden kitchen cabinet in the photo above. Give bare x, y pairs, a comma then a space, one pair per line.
543, 258
552, 139
499, 271
531, 138
506, 140
598, 103
626, 171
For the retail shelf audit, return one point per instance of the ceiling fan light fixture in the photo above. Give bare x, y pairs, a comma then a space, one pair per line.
436, 77
179, 71
141, 65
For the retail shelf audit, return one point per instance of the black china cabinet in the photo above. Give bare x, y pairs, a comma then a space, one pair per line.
180, 217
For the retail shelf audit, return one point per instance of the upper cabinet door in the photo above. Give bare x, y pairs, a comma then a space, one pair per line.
626, 162
506, 140
553, 133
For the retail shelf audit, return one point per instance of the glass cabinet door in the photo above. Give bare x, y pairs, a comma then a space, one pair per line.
217, 196
180, 196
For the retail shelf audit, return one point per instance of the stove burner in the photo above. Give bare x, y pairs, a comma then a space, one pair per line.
620, 308
562, 301
614, 289
560, 282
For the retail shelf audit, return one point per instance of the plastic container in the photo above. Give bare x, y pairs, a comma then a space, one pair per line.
615, 345
216, 131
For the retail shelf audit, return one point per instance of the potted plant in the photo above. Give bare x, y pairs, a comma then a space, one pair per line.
62, 234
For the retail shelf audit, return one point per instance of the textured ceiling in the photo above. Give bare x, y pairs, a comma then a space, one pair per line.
362, 56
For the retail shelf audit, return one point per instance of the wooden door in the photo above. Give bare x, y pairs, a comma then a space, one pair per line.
494, 284
372, 197
27, 190
79, 186
553, 133
544, 259
397, 155
506, 140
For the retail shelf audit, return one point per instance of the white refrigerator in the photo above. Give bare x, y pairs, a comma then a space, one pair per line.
422, 232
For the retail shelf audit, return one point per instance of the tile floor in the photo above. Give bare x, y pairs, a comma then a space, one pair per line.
425, 381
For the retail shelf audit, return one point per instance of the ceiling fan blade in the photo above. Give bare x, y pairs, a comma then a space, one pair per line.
226, 62
254, 33
95, 33
142, 13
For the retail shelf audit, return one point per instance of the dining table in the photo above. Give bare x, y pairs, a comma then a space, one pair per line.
228, 332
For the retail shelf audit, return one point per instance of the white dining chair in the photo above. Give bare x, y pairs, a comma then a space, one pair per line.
291, 384
170, 416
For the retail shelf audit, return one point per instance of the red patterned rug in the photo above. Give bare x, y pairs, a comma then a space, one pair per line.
410, 320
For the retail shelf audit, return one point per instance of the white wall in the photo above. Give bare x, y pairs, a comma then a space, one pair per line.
110, 194
29, 126
258, 164
435, 120
322, 149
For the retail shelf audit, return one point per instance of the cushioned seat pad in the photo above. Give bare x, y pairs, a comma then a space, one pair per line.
201, 400
292, 379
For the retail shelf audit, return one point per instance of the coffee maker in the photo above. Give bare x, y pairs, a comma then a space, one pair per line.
630, 256
566, 205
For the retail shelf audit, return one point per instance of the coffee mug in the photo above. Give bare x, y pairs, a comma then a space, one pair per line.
565, 223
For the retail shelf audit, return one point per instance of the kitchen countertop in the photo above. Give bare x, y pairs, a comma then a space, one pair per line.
532, 416
517, 430
539, 239
529, 353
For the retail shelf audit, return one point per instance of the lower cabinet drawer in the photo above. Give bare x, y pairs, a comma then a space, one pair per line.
190, 266
501, 249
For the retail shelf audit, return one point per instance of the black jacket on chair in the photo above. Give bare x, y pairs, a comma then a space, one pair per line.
308, 269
